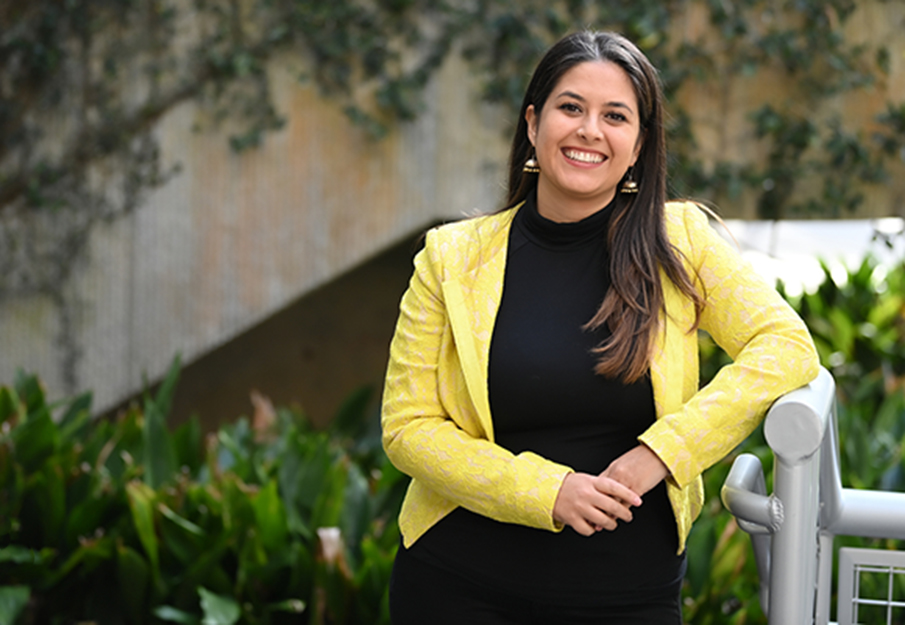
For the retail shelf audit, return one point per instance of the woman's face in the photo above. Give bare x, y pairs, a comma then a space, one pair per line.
586, 138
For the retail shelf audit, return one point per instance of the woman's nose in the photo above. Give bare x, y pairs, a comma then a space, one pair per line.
590, 130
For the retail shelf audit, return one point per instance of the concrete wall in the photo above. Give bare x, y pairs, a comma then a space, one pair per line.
235, 237
312, 354
720, 109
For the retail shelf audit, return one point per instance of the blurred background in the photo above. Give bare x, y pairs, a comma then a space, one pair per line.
244, 182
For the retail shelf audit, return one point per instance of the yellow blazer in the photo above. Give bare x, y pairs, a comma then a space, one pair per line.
436, 419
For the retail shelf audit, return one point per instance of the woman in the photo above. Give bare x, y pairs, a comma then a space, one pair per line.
544, 370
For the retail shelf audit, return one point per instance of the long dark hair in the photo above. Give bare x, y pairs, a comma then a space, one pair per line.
637, 232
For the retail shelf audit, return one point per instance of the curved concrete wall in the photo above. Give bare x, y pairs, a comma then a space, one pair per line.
236, 237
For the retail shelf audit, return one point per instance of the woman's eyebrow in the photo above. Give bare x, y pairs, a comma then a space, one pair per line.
580, 98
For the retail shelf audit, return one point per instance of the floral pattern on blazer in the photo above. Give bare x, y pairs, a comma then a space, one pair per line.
436, 419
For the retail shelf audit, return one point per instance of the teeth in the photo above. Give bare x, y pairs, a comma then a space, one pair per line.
584, 157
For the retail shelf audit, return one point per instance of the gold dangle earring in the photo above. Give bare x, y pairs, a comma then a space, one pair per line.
531, 166
629, 186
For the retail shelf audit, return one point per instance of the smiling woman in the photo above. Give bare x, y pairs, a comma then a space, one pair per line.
544, 371
587, 138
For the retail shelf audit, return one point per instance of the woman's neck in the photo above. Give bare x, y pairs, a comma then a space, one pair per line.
560, 208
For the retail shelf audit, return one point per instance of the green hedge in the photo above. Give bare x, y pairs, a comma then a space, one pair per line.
125, 521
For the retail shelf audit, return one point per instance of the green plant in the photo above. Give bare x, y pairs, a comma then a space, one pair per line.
124, 521
858, 324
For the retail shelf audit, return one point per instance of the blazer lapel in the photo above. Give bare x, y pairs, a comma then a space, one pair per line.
472, 301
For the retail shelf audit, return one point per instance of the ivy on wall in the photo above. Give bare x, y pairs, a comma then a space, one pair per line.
83, 83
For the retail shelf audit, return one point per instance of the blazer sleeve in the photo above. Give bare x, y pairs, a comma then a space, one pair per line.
422, 439
771, 349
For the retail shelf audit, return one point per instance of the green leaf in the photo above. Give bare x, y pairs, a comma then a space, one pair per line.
351, 416
91, 553
328, 505
188, 445
141, 503
164, 398
701, 543
207, 569
35, 440
169, 613
78, 411
159, 459
76, 419
295, 606
238, 512
843, 331
134, 579
887, 310
288, 475
180, 521
86, 516
218, 609
30, 392
186, 547
18, 554
270, 517
13, 600
47, 493
356, 512
9, 404
312, 469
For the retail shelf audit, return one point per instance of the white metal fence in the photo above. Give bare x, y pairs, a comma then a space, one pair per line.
888, 568
792, 530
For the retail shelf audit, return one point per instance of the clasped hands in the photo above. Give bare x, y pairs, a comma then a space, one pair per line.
589, 503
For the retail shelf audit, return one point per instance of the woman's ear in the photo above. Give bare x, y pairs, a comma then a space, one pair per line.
531, 119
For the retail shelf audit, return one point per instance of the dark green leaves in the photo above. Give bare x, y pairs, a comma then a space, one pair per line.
125, 521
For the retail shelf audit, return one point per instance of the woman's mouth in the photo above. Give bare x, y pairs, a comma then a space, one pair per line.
584, 157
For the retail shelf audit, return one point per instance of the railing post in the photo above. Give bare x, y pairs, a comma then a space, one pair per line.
793, 575
794, 429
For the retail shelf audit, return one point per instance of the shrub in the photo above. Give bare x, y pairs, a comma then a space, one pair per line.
123, 521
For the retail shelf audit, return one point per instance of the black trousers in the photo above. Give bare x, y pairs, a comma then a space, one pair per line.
421, 592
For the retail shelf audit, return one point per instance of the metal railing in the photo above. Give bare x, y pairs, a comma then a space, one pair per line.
792, 530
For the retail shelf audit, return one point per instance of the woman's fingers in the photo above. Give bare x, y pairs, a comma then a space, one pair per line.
589, 503
613, 488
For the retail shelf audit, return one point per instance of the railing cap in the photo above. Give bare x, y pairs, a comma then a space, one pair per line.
797, 422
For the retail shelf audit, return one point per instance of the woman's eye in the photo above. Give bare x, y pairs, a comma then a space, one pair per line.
570, 107
619, 117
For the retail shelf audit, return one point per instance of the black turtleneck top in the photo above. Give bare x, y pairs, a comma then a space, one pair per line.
546, 398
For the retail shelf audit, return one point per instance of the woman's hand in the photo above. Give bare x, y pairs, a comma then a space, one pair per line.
589, 503
640, 469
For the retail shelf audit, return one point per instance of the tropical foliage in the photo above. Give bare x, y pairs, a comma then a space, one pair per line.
123, 521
